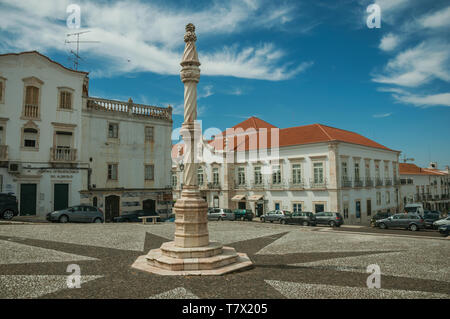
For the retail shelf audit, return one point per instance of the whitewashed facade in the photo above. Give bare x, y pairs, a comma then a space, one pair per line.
428, 186
54, 141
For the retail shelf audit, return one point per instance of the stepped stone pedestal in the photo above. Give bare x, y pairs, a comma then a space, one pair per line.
191, 253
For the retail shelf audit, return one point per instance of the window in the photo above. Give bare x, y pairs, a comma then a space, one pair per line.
296, 207
318, 172
63, 139
174, 180
65, 100
112, 172
258, 175
149, 133
200, 176
149, 172
241, 175
113, 130
297, 173
276, 174
386, 170
377, 170
367, 170
1, 135
32, 96
344, 171
216, 176
30, 137
388, 197
378, 198
395, 171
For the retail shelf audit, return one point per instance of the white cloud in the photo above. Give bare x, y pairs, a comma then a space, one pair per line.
138, 36
418, 66
382, 115
389, 42
441, 99
437, 19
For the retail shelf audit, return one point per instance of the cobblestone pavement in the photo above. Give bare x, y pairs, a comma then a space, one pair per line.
290, 262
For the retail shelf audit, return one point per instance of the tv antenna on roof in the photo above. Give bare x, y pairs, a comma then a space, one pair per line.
77, 41
407, 159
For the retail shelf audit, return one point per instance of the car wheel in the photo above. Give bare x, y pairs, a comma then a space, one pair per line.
382, 226
8, 214
219, 219
97, 220
263, 220
305, 223
332, 223
413, 227
63, 219
282, 221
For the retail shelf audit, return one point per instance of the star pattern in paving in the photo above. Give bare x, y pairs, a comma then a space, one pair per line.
273, 275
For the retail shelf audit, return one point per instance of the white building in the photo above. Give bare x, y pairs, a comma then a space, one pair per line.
56, 147
316, 168
428, 186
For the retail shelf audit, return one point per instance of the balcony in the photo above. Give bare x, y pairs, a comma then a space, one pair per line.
368, 182
258, 185
3, 152
378, 182
63, 154
388, 181
346, 182
214, 185
358, 182
296, 184
317, 184
31, 111
396, 181
278, 185
241, 185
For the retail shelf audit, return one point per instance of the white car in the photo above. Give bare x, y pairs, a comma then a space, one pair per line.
440, 222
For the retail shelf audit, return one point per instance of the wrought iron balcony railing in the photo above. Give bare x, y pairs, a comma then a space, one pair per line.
388, 181
368, 182
317, 183
346, 182
378, 182
358, 182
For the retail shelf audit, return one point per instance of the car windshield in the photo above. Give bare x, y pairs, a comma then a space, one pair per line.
227, 210
411, 209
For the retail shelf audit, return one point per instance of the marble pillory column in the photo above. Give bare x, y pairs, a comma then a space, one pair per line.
191, 252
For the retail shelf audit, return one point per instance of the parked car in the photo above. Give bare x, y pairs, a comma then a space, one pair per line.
440, 222
430, 217
243, 214
80, 213
275, 216
8, 206
444, 230
329, 218
164, 213
220, 214
411, 221
378, 216
301, 218
133, 216
414, 208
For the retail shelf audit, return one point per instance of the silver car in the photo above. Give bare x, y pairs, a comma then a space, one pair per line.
409, 221
80, 214
220, 214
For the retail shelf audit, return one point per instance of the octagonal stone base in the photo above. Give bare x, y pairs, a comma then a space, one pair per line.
213, 259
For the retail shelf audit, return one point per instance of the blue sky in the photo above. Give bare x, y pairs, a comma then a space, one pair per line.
290, 63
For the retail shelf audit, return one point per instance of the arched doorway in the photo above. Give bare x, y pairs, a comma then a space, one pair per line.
149, 205
112, 204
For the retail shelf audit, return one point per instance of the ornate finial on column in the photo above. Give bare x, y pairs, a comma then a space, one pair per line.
190, 36
190, 57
